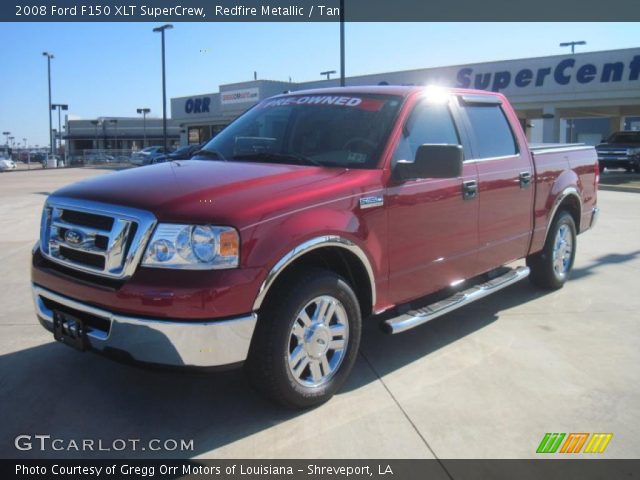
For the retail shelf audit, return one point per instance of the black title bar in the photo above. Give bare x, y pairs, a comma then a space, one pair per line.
318, 10
548, 469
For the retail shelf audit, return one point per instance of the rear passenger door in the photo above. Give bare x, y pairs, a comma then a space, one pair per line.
505, 181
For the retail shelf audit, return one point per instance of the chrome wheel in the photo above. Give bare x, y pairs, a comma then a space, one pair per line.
562, 251
318, 341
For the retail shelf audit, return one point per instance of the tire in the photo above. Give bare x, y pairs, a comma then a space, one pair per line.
297, 360
551, 267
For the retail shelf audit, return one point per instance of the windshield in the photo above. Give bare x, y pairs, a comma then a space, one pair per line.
625, 137
325, 130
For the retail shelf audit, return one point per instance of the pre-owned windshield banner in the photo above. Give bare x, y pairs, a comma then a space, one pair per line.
318, 11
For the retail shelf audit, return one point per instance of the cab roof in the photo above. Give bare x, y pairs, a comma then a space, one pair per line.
399, 90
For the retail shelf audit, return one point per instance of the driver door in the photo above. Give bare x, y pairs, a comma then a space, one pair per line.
433, 223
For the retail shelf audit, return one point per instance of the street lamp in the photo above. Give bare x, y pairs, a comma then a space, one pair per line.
328, 73
143, 112
49, 57
573, 45
114, 122
161, 29
95, 123
342, 43
59, 107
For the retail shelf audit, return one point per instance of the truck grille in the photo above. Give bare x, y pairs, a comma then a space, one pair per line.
92, 237
612, 154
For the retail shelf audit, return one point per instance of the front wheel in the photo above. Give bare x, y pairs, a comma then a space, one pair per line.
551, 267
307, 339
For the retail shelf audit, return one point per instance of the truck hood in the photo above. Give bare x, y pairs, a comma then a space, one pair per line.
226, 193
616, 146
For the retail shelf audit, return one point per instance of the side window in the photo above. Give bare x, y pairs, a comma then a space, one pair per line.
492, 132
428, 123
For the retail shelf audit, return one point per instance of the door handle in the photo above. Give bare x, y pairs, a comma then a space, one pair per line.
525, 179
469, 189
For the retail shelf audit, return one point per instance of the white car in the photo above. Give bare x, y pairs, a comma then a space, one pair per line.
7, 164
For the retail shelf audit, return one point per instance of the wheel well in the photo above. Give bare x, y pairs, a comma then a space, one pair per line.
570, 204
340, 261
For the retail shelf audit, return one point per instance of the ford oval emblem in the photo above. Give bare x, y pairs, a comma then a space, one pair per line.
73, 237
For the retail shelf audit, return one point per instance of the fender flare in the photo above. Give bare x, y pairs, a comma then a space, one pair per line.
306, 247
562, 196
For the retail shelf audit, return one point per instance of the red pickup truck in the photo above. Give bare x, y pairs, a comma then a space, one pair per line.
312, 211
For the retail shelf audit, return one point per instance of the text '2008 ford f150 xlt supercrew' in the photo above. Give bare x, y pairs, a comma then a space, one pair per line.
312, 211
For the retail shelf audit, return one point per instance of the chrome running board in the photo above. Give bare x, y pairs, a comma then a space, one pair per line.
413, 318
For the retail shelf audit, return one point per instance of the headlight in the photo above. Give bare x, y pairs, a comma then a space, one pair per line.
633, 151
193, 247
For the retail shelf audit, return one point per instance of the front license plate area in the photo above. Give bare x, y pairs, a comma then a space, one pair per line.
69, 330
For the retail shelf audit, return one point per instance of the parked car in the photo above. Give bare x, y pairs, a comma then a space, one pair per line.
146, 155
98, 157
7, 164
183, 153
387, 204
620, 150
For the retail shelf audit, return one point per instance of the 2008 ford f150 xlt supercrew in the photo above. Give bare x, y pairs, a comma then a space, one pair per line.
312, 211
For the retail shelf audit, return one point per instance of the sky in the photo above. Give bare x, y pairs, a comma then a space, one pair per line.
110, 69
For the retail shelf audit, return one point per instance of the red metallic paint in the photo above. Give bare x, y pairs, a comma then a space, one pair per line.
422, 239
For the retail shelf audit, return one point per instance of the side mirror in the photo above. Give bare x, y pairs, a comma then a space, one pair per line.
432, 161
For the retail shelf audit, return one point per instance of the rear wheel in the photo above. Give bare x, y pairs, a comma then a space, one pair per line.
551, 267
306, 341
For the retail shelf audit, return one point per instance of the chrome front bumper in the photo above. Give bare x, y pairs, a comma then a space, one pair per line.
164, 342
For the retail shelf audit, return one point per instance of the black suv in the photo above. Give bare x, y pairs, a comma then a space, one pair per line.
620, 150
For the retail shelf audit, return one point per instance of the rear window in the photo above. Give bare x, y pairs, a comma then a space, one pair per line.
491, 130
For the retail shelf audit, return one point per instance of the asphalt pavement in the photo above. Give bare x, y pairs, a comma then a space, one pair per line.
486, 381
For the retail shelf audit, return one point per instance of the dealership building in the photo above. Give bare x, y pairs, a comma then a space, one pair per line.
117, 134
578, 97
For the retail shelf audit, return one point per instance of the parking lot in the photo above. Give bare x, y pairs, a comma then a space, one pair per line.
487, 381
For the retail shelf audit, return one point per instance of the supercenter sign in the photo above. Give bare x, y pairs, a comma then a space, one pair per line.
564, 72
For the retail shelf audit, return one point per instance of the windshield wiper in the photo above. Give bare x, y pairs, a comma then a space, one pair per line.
284, 157
205, 152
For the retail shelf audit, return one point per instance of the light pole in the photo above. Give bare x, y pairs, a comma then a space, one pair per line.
114, 122
328, 73
6, 138
144, 112
573, 45
95, 123
342, 43
59, 107
161, 29
49, 57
